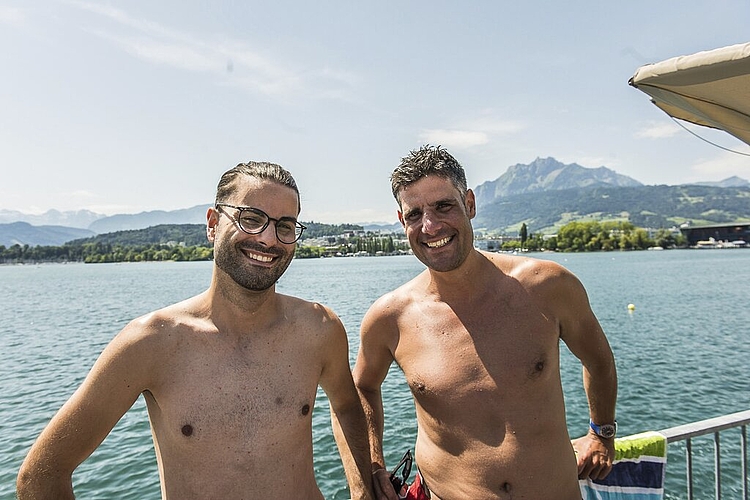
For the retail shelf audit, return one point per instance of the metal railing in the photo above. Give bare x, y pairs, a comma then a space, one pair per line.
712, 425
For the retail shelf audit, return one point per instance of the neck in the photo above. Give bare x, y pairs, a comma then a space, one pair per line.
461, 281
235, 308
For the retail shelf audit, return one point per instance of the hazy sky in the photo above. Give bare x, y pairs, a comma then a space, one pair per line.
127, 106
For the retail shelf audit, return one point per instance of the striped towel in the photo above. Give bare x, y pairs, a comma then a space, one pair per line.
637, 471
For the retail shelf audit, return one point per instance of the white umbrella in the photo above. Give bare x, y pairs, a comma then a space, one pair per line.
710, 88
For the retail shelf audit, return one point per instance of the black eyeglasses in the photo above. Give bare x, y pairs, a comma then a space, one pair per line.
255, 221
398, 479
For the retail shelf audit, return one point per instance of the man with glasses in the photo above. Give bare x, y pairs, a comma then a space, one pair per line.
477, 337
229, 376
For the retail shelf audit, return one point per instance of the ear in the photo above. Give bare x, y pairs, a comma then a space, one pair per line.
401, 219
212, 220
471, 204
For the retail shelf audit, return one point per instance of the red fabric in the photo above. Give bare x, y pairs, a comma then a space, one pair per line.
417, 491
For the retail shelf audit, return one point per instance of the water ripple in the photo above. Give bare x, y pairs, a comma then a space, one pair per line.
681, 354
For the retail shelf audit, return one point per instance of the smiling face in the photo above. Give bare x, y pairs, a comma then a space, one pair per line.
253, 261
437, 222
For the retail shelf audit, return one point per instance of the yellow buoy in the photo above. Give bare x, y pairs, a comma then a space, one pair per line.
631, 307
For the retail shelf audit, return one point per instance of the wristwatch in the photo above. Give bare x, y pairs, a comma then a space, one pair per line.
605, 430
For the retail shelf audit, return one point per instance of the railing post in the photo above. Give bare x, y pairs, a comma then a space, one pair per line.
717, 465
712, 426
743, 440
689, 466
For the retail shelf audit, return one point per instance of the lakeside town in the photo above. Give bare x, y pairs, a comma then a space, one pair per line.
182, 244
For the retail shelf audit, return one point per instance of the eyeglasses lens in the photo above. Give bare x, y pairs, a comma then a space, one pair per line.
254, 222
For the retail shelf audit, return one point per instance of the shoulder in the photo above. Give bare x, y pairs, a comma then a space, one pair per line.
310, 315
552, 284
561, 292
394, 304
386, 317
540, 275
137, 357
298, 307
162, 329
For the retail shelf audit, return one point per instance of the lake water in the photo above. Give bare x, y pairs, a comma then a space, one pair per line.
682, 354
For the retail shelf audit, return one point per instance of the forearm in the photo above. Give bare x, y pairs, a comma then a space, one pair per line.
600, 383
36, 483
350, 432
596, 452
372, 404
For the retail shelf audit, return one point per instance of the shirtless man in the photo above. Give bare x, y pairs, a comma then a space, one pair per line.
477, 337
229, 376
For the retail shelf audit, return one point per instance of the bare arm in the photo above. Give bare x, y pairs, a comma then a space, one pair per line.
373, 361
79, 427
347, 417
582, 333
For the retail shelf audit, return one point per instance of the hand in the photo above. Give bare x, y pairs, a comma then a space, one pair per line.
595, 456
381, 483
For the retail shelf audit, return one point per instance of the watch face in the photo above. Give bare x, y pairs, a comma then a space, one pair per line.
607, 431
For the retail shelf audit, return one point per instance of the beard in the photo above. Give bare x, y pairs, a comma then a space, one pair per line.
443, 265
442, 262
234, 263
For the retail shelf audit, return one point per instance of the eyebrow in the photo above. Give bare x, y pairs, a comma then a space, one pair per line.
442, 201
412, 212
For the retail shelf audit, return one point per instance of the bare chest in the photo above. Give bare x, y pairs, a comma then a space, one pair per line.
235, 397
497, 346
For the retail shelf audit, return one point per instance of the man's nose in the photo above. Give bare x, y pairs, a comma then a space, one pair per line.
268, 235
430, 222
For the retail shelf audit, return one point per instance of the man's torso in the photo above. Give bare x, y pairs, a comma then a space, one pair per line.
484, 372
233, 419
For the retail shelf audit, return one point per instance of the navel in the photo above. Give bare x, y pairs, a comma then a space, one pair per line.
305, 410
507, 489
187, 430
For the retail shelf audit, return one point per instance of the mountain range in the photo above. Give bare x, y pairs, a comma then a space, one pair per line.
544, 194
547, 194
548, 174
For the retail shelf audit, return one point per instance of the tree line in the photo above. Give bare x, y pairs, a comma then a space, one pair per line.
596, 236
98, 252
572, 237
95, 253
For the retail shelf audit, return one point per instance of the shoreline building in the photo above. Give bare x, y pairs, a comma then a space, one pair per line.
737, 234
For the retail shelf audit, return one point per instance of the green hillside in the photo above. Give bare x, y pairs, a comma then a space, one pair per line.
643, 206
163, 234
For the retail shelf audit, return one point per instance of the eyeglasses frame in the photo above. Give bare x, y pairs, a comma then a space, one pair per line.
258, 211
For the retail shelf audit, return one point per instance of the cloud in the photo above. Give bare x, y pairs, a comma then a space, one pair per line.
490, 124
724, 165
456, 139
361, 216
475, 131
165, 53
238, 64
590, 161
11, 15
659, 130
81, 194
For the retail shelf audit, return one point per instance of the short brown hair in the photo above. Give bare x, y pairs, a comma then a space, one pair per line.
259, 170
428, 160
